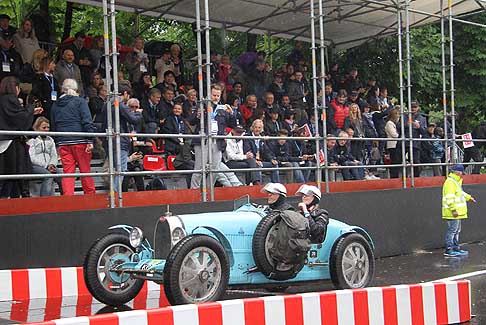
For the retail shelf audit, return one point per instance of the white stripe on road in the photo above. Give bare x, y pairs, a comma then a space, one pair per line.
462, 276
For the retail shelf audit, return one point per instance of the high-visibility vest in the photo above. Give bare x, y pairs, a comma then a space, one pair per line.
454, 198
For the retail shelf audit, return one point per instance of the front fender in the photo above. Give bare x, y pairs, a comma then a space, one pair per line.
223, 240
127, 228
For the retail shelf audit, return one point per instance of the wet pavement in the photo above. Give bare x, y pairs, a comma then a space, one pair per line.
420, 267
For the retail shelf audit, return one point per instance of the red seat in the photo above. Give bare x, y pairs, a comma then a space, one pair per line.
153, 162
170, 162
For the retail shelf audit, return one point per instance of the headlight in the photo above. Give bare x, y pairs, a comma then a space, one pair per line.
136, 237
177, 234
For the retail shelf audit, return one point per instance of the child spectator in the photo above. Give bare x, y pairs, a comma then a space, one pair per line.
43, 154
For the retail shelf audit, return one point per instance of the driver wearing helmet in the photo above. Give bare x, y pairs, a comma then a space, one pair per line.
277, 195
309, 207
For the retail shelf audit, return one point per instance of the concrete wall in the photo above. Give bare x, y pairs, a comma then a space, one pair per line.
400, 221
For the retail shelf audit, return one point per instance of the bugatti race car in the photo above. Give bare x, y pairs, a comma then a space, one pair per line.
196, 257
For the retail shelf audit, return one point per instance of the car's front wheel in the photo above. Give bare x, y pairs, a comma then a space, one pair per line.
196, 271
104, 283
352, 262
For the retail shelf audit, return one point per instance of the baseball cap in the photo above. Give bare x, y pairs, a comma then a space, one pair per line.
458, 168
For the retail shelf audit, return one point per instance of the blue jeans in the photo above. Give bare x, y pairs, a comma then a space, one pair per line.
274, 176
124, 168
46, 188
452, 234
352, 173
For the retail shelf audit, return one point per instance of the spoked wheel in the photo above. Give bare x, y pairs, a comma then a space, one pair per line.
196, 271
352, 262
104, 283
263, 241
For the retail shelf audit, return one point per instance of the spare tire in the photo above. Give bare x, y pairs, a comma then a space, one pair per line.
262, 241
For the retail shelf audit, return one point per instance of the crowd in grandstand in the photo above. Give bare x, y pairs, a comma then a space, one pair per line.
159, 95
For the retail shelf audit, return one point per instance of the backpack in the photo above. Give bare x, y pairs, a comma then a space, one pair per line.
292, 241
156, 184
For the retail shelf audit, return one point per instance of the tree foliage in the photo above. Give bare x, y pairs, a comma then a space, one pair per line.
377, 57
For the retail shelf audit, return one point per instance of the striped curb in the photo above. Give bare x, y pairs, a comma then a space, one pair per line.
59, 292
428, 303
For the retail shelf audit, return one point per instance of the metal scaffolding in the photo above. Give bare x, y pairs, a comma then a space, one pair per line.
402, 9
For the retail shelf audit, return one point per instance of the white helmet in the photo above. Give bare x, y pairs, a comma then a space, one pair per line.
309, 190
275, 188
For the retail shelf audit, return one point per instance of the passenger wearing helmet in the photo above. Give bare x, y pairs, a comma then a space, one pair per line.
309, 207
277, 195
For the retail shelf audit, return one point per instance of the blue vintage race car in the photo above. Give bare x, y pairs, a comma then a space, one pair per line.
197, 256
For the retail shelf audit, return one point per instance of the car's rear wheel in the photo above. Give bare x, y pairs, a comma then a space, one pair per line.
196, 271
352, 262
106, 285
263, 240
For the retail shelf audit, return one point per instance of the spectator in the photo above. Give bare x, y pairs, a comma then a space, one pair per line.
82, 58
287, 156
307, 150
70, 113
285, 103
129, 118
343, 156
290, 124
142, 87
96, 53
329, 94
137, 62
95, 83
225, 73
273, 123
6, 30
236, 94
331, 156
337, 113
248, 109
176, 57
352, 82
432, 150
235, 157
222, 117
164, 64
30, 70
167, 102
260, 150
168, 83
419, 130
354, 120
296, 55
474, 153
153, 114
14, 157
260, 79
67, 69
392, 146
96, 107
372, 96
355, 99
382, 99
379, 113
122, 82
297, 90
25, 41
277, 87
11, 60
43, 154
189, 106
45, 88
269, 103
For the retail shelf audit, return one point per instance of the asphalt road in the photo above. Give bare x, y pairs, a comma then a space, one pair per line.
416, 268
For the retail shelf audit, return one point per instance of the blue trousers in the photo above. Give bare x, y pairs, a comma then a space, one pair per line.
452, 234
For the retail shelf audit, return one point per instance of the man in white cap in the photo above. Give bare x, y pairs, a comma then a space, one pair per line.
309, 207
277, 195
454, 209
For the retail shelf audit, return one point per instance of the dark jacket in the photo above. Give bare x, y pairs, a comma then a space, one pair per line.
340, 154
128, 124
174, 125
296, 92
264, 152
152, 116
284, 152
318, 222
71, 114
14, 117
272, 127
41, 91
417, 133
13, 59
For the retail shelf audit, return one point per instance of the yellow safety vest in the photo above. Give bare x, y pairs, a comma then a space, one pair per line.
454, 198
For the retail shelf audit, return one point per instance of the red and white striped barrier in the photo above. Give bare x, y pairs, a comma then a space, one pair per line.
426, 304
39, 294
